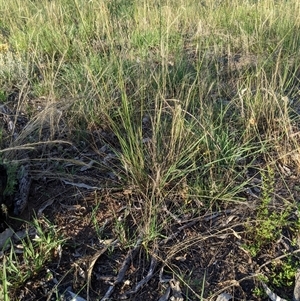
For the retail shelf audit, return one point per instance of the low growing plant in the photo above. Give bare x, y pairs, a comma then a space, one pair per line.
17, 267
268, 222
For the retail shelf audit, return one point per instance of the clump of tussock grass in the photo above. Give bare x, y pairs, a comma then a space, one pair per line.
188, 90
111, 74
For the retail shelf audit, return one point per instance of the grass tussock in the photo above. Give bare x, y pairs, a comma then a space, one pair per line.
185, 105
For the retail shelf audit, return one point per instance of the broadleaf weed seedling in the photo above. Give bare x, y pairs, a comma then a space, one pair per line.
12, 169
268, 223
283, 272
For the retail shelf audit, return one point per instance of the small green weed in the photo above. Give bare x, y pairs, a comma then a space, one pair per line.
269, 222
12, 169
3, 96
16, 268
258, 292
283, 272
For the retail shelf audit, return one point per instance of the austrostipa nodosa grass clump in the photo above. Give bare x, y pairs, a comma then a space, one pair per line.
171, 112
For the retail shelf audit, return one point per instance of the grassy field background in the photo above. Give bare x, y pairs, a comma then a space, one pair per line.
181, 118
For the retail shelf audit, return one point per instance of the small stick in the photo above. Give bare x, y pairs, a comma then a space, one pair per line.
143, 281
129, 257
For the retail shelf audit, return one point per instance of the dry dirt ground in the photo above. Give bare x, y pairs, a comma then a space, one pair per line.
201, 252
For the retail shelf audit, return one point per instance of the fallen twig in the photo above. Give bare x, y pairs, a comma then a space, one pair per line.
144, 280
173, 235
129, 257
82, 185
92, 263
